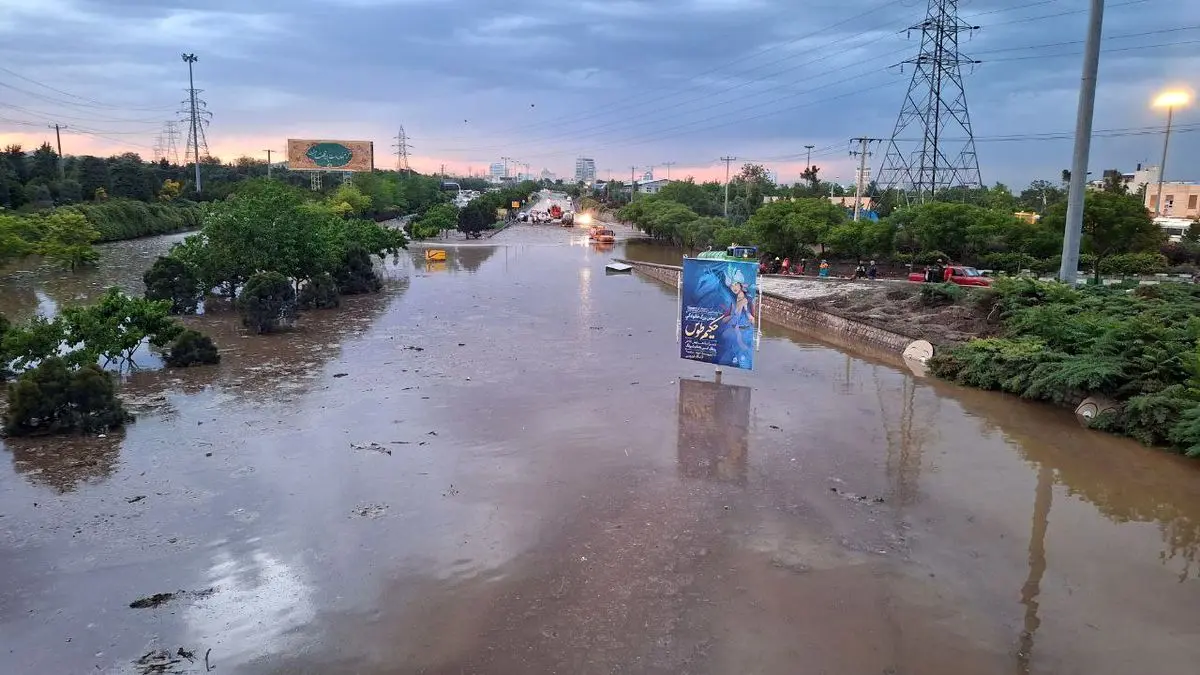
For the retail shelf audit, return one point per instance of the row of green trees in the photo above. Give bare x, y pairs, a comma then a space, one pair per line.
1137, 347
270, 228
41, 179
1116, 225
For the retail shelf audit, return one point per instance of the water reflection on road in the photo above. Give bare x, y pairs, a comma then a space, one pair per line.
499, 465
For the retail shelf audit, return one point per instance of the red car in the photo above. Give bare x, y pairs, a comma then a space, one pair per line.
957, 274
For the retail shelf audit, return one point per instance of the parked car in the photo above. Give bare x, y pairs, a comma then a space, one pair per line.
956, 274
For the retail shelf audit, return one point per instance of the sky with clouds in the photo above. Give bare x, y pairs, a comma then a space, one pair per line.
627, 82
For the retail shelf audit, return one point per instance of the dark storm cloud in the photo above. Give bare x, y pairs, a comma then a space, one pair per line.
627, 81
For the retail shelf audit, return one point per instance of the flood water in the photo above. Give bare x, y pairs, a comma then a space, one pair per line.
552, 490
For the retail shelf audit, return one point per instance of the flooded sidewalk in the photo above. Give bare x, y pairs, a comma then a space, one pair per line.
500, 465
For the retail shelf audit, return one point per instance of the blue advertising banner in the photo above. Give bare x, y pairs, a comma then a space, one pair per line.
719, 312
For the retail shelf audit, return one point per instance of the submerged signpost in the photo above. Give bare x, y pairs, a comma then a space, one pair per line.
719, 317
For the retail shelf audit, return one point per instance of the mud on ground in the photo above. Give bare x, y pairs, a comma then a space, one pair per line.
901, 309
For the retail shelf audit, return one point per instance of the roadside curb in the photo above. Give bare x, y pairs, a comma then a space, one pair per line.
798, 316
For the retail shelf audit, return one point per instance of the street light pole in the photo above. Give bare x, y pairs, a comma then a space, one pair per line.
191, 59
1162, 166
1169, 100
1073, 230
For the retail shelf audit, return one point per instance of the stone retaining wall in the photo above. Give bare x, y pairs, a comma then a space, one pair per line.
797, 316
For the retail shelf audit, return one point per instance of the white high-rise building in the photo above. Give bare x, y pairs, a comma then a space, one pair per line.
547, 174
496, 172
585, 170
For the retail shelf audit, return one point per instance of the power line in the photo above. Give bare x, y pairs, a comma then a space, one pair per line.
1104, 51
93, 102
601, 129
620, 103
1079, 42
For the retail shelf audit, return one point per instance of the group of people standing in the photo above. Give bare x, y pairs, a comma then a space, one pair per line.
784, 266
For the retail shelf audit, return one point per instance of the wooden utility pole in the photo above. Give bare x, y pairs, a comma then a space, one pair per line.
268, 163
58, 138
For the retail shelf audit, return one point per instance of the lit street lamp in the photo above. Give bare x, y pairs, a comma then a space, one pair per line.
1169, 100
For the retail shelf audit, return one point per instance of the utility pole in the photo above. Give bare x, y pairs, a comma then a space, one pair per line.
632, 182
1083, 145
728, 161
58, 137
669, 165
268, 151
862, 153
191, 59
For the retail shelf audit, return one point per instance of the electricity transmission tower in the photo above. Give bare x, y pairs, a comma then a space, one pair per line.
168, 142
197, 117
941, 152
402, 147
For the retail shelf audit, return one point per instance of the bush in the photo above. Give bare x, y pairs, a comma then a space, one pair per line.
53, 398
936, 295
357, 272
1134, 263
119, 219
267, 302
1062, 344
320, 292
169, 278
193, 349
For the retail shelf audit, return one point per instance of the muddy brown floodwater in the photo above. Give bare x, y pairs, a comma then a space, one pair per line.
499, 465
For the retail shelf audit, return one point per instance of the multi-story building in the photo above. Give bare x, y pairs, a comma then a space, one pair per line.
1179, 200
547, 174
585, 170
496, 172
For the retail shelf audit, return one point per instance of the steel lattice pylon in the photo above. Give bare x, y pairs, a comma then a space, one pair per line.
940, 150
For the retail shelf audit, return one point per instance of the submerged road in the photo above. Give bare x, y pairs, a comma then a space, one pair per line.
499, 465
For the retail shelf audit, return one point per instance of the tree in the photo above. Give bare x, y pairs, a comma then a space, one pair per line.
1040, 196
192, 348
474, 218
1112, 223
862, 239
43, 166
702, 199
436, 220
17, 162
171, 279
1193, 232
814, 181
1114, 182
67, 238
93, 175
267, 302
69, 191
1000, 198
53, 398
39, 195
348, 200
319, 292
132, 179
113, 329
171, 190
14, 241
